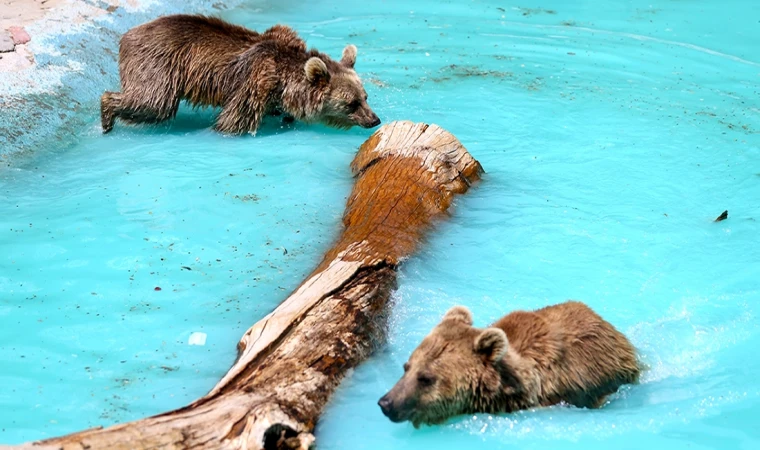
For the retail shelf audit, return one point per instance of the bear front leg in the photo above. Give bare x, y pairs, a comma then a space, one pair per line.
240, 117
246, 107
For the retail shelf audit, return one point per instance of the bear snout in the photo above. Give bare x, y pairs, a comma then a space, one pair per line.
366, 118
374, 121
386, 406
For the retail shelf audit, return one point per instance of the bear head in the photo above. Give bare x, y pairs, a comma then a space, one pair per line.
345, 100
457, 369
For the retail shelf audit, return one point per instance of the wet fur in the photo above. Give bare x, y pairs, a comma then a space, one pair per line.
209, 62
561, 353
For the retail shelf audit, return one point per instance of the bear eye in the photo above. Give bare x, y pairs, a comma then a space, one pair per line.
354, 105
425, 380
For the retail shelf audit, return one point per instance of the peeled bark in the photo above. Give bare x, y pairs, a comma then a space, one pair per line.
291, 361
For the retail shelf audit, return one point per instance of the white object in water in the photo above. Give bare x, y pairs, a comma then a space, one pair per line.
197, 338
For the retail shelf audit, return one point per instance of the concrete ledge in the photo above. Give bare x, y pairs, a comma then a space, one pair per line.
61, 55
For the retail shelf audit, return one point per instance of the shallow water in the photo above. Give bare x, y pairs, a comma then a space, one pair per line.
612, 135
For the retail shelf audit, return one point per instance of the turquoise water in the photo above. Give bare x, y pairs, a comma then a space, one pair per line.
613, 133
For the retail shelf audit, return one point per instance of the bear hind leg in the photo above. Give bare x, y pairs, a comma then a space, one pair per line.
114, 104
110, 103
147, 114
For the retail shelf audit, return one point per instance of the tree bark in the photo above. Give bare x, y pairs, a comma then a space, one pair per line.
291, 361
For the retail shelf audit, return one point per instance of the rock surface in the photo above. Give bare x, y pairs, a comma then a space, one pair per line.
6, 42
16, 61
19, 35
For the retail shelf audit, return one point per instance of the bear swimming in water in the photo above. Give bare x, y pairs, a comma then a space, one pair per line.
561, 353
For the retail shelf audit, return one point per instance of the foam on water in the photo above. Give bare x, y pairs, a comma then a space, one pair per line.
612, 135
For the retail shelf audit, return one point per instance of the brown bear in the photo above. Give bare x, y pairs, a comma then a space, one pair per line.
209, 62
561, 353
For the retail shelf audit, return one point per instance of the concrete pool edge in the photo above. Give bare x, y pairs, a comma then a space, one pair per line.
70, 59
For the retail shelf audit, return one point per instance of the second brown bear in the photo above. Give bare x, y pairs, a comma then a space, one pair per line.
209, 62
560, 353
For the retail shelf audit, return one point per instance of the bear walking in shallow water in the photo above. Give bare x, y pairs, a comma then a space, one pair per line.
561, 353
209, 62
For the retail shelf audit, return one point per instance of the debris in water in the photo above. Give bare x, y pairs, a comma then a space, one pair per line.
156, 288
722, 216
186, 268
197, 338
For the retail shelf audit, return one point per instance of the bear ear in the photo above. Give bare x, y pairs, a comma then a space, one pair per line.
459, 314
349, 56
492, 343
316, 70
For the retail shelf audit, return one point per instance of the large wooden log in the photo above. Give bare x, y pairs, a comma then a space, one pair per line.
291, 361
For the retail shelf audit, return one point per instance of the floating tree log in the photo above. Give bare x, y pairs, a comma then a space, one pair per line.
291, 361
